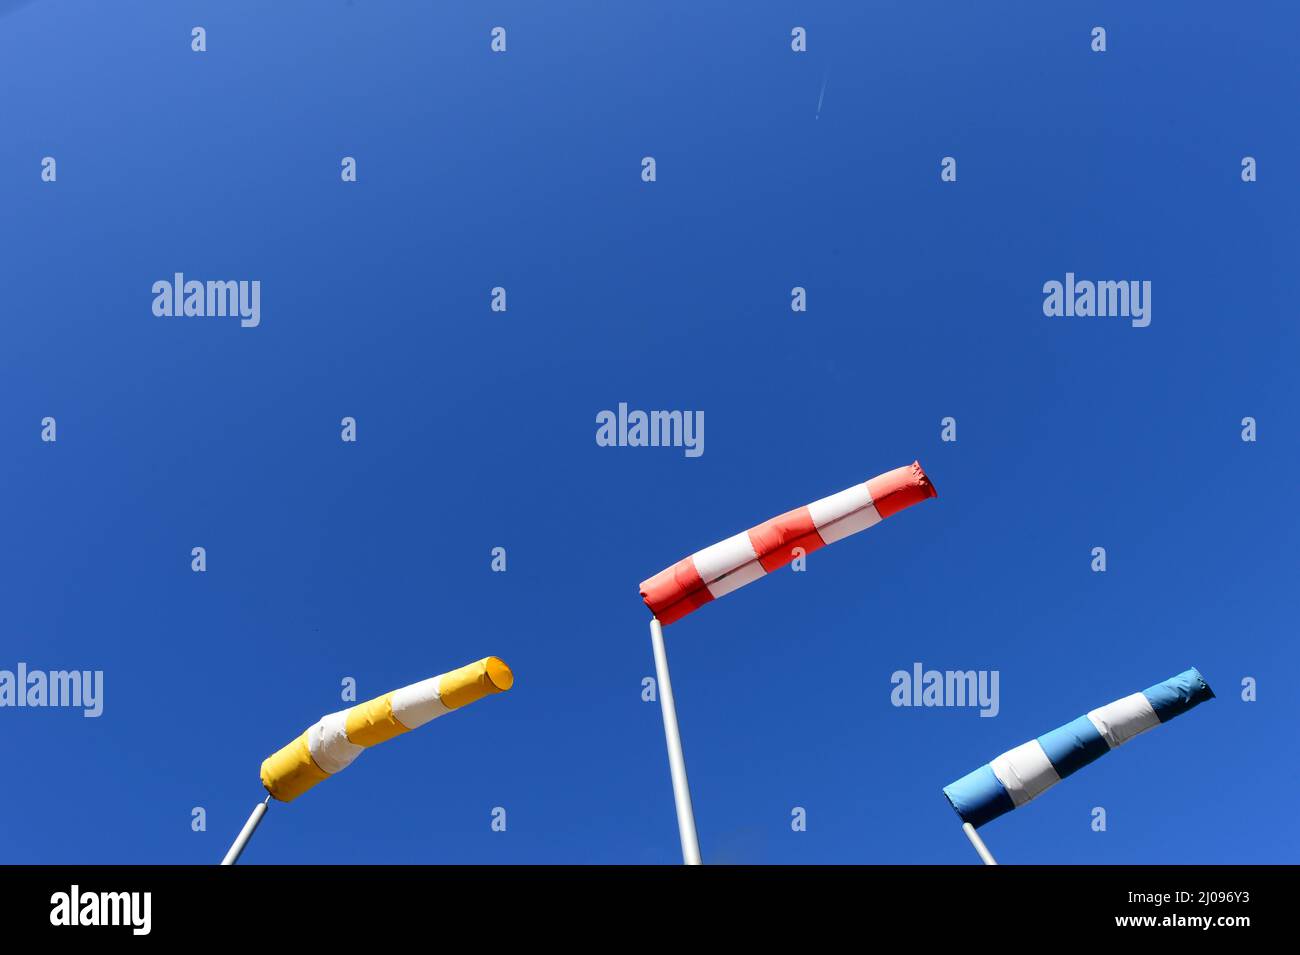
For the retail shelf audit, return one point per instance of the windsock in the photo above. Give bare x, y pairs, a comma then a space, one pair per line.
691, 583
1019, 775
334, 741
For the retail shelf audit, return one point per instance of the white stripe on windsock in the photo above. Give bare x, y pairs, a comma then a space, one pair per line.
1120, 721
328, 743
845, 513
1025, 772
728, 565
413, 706
419, 703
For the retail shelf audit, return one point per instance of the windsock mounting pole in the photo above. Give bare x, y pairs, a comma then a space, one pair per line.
250, 827
978, 843
676, 761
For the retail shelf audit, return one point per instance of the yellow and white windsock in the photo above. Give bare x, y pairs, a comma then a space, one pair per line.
334, 741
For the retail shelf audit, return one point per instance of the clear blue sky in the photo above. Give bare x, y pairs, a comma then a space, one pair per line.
476, 429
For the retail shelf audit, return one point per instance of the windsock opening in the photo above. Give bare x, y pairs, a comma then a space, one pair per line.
502, 677
978, 797
469, 683
290, 771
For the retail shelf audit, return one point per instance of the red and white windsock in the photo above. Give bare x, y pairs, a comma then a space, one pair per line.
691, 583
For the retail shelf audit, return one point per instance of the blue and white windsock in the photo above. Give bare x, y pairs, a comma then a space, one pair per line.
1019, 775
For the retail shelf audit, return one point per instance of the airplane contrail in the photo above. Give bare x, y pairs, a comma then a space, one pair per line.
821, 96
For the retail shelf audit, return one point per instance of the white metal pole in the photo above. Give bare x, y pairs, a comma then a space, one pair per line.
978, 843
676, 761
246, 833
